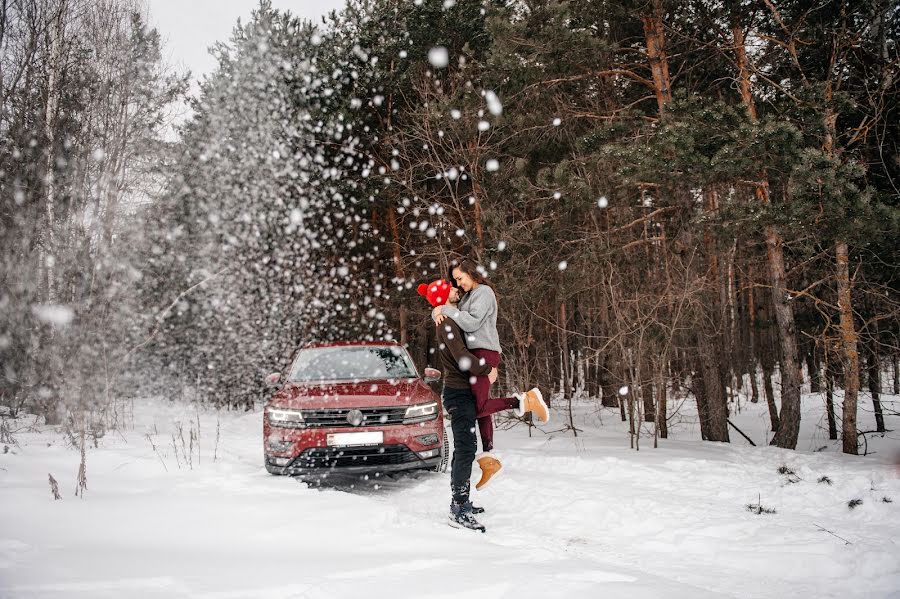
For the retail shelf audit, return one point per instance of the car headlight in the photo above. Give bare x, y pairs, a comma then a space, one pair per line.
421, 413
286, 418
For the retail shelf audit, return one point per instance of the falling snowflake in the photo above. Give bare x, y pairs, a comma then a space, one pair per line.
53, 314
493, 103
563, 265
439, 57
492, 165
602, 202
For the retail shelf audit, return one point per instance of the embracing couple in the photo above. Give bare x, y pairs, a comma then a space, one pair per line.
465, 313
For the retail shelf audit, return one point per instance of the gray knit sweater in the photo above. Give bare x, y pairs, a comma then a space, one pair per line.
477, 316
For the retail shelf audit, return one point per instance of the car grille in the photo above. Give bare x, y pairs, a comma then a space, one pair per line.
348, 457
336, 418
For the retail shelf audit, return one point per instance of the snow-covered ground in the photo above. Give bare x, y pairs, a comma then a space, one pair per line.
569, 517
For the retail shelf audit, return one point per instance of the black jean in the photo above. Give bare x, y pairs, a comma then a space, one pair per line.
460, 404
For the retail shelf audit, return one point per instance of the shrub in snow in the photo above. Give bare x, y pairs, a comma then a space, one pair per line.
789, 475
758, 508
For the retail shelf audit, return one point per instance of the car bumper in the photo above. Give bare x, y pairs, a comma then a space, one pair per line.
296, 468
307, 451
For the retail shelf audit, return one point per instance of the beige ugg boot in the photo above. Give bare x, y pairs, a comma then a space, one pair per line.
490, 466
533, 401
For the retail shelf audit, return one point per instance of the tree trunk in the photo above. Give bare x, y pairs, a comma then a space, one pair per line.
629, 399
565, 364
714, 414
770, 393
810, 370
751, 337
789, 419
608, 367
895, 366
655, 37
874, 368
850, 355
608, 385
661, 408
815, 370
567, 367
398, 269
53, 92
754, 387
829, 406
743, 65
647, 397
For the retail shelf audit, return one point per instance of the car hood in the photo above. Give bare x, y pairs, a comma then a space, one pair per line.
365, 394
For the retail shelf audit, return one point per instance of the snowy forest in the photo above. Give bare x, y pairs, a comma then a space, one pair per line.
689, 216
676, 201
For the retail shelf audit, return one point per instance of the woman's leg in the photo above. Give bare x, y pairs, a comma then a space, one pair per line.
496, 404
484, 403
481, 389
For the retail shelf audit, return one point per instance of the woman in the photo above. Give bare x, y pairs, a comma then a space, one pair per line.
476, 315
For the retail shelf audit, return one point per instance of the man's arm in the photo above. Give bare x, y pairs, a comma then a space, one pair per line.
450, 335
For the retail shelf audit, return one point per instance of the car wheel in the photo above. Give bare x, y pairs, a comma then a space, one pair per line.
445, 452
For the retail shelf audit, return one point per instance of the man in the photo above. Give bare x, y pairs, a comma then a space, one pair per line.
459, 365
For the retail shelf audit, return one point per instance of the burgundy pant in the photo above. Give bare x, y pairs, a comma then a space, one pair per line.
485, 405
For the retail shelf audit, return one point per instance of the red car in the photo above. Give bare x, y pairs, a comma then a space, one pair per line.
354, 408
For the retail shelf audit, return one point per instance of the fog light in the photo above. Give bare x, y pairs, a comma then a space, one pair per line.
429, 453
281, 461
431, 439
277, 445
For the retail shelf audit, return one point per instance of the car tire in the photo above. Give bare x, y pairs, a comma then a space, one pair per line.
445, 452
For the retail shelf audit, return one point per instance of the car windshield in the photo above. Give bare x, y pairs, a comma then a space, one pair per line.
351, 363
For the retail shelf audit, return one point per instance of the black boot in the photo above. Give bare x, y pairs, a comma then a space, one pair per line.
476, 509
461, 517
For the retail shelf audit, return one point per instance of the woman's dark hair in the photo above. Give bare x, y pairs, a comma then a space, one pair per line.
469, 267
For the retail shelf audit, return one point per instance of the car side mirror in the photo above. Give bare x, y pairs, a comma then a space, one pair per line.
273, 379
432, 375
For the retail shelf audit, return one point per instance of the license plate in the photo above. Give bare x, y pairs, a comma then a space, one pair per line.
353, 439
